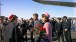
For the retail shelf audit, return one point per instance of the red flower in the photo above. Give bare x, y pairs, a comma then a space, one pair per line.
41, 28
45, 29
39, 25
38, 28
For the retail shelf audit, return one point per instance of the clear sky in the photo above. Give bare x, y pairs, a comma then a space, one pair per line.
25, 8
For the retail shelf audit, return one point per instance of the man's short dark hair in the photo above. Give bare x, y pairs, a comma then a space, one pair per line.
6, 18
64, 16
59, 18
31, 18
35, 14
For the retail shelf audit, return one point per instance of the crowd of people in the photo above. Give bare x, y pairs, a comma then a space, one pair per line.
14, 30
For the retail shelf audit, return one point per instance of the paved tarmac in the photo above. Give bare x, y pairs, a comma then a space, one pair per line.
73, 35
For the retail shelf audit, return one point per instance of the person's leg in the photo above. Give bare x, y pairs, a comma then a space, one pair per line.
58, 36
26, 36
23, 37
32, 36
52, 33
69, 36
1, 37
36, 38
62, 36
66, 36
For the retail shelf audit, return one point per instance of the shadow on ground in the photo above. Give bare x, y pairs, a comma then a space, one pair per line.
54, 38
74, 40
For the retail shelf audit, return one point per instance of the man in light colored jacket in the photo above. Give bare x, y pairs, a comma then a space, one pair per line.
36, 22
1, 30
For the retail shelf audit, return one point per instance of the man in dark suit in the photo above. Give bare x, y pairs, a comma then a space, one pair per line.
53, 26
69, 30
59, 29
24, 30
65, 26
31, 26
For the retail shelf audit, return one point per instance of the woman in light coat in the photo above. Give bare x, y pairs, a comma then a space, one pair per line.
9, 28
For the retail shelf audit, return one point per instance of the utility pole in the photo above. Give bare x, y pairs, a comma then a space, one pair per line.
0, 7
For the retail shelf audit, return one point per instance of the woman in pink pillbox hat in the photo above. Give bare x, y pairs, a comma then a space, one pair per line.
47, 15
48, 26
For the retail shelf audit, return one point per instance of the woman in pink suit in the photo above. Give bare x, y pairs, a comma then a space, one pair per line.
47, 26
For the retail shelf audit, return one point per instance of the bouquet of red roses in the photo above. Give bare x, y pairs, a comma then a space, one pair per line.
42, 31
39, 30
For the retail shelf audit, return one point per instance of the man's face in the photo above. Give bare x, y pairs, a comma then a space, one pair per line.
64, 19
31, 20
0, 20
16, 20
34, 17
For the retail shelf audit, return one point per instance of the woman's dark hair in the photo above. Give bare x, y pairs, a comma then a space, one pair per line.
44, 16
